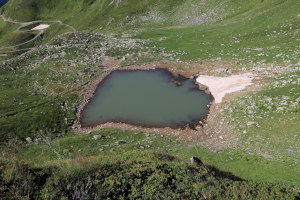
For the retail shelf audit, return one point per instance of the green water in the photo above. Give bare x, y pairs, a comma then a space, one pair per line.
146, 98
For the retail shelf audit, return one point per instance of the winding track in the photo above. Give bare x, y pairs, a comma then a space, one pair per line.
23, 24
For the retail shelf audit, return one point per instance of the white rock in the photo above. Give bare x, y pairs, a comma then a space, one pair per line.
29, 139
97, 137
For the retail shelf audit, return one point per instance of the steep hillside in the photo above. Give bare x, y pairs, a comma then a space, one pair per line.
239, 25
120, 12
169, 12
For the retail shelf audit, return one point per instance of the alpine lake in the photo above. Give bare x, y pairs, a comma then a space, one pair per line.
147, 98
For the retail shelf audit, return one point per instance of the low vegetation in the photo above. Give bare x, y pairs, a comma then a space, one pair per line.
130, 175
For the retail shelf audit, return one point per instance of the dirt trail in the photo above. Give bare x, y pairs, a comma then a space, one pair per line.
24, 24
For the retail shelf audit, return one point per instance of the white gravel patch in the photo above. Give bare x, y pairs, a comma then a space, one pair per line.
220, 86
40, 27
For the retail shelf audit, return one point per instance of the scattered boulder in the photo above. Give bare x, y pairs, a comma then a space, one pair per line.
66, 150
197, 161
37, 140
121, 142
97, 137
29, 140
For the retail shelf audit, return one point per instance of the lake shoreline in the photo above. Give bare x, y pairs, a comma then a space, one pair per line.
177, 80
207, 133
175, 74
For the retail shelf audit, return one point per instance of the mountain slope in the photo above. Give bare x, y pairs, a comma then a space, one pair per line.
43, 82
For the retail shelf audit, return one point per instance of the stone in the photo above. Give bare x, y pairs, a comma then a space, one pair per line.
66, 150
122, 142
37, 140
97, 137
196, 160
249, 123
28, 139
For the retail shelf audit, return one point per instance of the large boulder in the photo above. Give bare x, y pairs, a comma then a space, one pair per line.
197, 161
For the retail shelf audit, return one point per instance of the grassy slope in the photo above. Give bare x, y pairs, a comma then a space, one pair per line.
74, 12
8, 34
130, 175
117, 142
246, 24
22, 105
262, 26
249, 25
